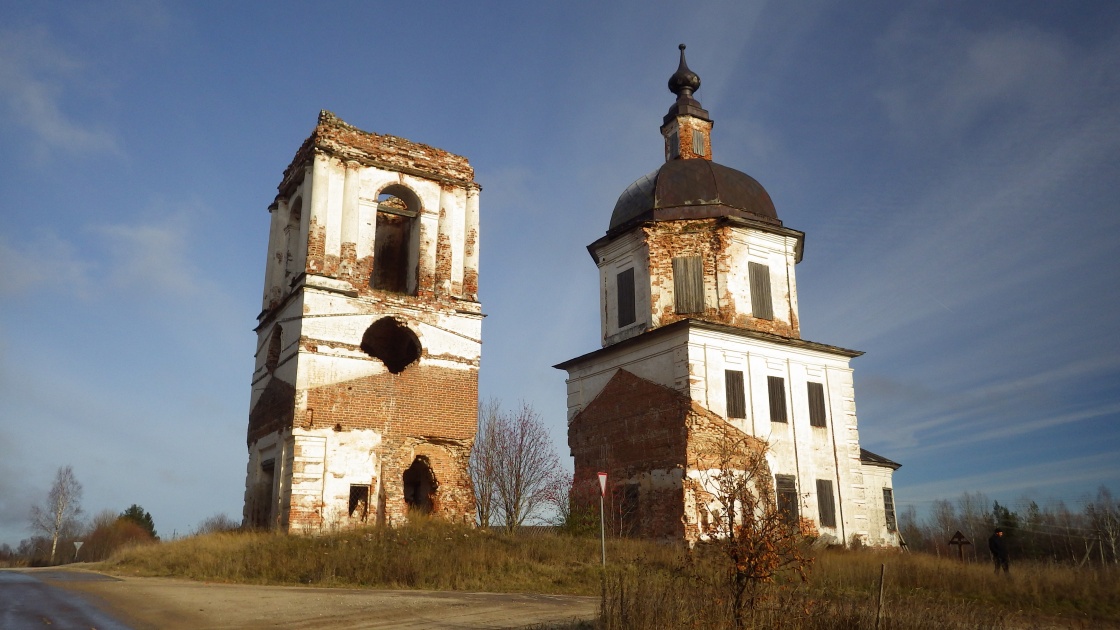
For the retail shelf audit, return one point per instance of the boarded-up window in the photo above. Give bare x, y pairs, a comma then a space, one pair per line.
888, 509
736, 395
624, 285
762, 306
688, 284
825, 503
674, 145
786, 485
776, 389
816, 404
698, 142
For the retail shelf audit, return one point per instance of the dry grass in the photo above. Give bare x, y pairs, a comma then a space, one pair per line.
647, 585
1059, 591
430, 555
920, 592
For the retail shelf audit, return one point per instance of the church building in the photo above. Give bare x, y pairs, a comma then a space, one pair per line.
701, 338
365, 389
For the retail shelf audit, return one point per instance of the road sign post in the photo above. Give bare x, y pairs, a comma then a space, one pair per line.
602, 519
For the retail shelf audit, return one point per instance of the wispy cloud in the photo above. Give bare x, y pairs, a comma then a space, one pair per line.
153, 255
1052, 473
952, 78
46, 261
35, 77
924, 419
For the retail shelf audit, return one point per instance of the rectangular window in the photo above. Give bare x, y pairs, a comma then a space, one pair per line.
688, 284
736, 395
762, 306
359, 502
776, 388
624, 283
825, 503
698, 142
816, 405
674, 145
786, 486
888, 509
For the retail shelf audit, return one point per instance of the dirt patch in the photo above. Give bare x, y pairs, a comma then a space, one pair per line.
174, 604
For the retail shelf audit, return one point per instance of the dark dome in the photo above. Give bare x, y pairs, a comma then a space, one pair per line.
693, 189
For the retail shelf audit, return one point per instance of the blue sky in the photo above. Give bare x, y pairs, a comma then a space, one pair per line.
955, 166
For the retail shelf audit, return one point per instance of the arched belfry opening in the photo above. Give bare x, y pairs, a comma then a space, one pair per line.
420, 486
272, 359
392, 342
291, 237
396, 241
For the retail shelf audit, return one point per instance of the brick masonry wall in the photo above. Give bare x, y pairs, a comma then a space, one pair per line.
633, 428
423, 400
652, 438
713, 443
454, 497
347, 142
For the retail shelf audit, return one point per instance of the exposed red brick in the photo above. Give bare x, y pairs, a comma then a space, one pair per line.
648, 436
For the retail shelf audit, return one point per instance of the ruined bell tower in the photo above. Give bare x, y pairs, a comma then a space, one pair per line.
365, 389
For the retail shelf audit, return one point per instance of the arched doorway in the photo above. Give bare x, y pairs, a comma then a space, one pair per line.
420, 486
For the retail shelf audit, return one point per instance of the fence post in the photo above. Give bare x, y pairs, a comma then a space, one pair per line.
879, 609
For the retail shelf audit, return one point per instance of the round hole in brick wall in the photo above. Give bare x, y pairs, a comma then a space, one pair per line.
392, 342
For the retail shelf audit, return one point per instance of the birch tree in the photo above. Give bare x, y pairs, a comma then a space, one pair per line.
59, 514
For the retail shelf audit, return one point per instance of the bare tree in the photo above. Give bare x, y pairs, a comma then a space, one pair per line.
483, 461
216, 524
513, 465
1104, 516
59, 514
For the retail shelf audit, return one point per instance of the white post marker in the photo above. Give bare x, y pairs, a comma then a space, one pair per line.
602, 521
77, 548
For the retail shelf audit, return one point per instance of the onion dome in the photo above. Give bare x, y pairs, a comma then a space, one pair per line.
692, 189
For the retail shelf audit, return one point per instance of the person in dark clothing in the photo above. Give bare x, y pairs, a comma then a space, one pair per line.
998, 546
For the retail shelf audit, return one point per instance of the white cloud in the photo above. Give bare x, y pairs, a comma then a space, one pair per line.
35, 76
154, 256
43, 262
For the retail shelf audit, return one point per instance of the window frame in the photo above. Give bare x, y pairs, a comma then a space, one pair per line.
890, 517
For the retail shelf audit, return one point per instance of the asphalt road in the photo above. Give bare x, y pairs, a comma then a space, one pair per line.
26, 601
